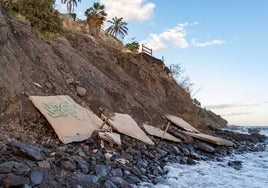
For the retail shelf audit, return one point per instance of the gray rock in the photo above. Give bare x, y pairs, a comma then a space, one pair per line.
21, 168
81, 163
120, 182
81, 91
29, 151
235, 164
36, 177
205, 147
161, 152
127, 172
15, 181
6, 167
26, 186
85, 178
109, 184
185, 151
117, 172
135, 171
68, 165
132, 179
195, 156
102, 170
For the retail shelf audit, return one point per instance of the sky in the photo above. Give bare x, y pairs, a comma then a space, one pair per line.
222, 46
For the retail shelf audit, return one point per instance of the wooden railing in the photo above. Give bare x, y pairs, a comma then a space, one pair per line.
146, 50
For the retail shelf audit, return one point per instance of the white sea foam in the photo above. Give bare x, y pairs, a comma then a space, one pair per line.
211, 174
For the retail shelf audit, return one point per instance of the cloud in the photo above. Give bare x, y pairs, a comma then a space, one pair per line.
208, 43
130, 10
175, 36
230, 105
236, 113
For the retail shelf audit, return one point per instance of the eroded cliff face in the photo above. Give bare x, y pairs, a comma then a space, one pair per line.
115, 81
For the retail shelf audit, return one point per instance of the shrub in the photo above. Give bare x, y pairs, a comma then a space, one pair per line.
133, 46
40, 13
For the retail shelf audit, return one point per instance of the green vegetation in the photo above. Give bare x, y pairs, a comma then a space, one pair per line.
118, 28
70, 4
40, 13
133, 46
95, 18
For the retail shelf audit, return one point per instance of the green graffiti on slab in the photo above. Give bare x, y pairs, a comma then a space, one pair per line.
62, 110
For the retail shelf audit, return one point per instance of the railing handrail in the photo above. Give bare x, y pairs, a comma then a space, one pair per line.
146, 50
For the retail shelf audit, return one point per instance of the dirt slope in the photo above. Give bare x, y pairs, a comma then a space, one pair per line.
114, 80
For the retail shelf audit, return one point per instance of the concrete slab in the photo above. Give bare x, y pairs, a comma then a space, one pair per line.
181, 123
210, 139
70, 121
123, 123
110, 137
154, 131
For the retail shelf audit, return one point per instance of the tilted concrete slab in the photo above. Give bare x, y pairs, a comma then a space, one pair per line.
210, 139
110, 137
154, 131
181, 123
70, 121
123, 123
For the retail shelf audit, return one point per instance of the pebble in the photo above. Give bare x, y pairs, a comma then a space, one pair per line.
29, 151
36, 177
85, 178
81, 91
102, 170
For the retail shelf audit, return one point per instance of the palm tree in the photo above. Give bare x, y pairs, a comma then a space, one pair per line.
95, 18
118, 27
70, 4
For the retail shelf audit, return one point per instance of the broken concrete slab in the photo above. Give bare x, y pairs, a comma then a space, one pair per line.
181, 123
110, 137
123, 123
210, 139
70, 121
154, 131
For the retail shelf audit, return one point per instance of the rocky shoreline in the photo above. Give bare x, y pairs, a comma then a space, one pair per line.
32, 162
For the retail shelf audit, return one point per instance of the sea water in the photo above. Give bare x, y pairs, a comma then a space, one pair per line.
211, 174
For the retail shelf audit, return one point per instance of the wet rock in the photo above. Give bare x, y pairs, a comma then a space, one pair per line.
127, 157
117, 172
80, 163
7, 167
235, 164
36, 177
81, 91
85, 178
102, 170
161, 152
195, 156
191, 161
135, 171
120, 182
205, 147
68, 165
132, 179
127, 172
160, 180
109, 184
15, 181
21, 168
29, 151
185, 151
